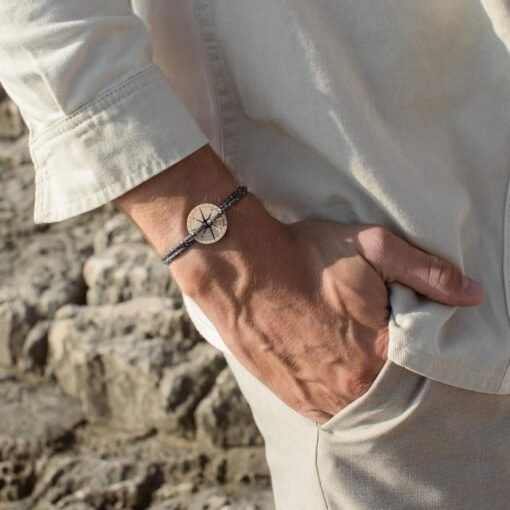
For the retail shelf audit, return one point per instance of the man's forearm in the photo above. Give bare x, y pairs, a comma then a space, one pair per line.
160, 207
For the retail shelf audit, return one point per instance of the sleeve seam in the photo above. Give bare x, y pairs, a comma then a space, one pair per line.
90, 118
130, 83
41, 162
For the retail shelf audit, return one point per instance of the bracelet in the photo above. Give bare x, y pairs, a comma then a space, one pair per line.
206, 224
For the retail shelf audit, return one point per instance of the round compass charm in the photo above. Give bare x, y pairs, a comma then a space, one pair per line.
202, 215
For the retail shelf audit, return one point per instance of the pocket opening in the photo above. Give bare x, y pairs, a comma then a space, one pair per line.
377, 388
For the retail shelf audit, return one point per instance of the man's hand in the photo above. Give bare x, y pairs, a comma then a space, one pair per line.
304, 307
309, 315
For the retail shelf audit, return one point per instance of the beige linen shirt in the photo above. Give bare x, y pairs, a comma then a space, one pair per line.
395, 112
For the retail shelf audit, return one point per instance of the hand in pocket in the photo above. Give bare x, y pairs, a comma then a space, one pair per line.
306, 308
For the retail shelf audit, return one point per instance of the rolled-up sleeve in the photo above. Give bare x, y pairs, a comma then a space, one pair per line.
101, 115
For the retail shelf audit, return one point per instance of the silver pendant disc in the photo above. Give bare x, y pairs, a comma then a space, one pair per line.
200, 215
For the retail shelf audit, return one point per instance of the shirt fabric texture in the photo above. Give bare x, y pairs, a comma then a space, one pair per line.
392, 112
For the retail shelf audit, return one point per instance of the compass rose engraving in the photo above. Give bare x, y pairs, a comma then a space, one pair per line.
203, 214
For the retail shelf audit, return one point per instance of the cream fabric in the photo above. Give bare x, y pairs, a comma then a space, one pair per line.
408, 444
394, 112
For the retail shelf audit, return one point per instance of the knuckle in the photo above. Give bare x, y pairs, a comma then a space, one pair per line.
299, 404
359, 383
439, 272
380, 237
378, 243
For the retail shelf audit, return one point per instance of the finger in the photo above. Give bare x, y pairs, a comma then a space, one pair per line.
396, 260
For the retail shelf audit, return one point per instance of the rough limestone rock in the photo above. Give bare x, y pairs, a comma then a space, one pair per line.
11, 123
14, 153
51, 273
48, 272
35, 348
117, 230
16, 318
187, 497
45, 274
224, 418
113, 354
16, 207
246, 466
90, 481
36, 419
122, 272
183, 386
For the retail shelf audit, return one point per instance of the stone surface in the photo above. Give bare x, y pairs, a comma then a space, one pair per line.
48, 275
34, 415
139, 351
188, 498
247, 466
224, 418
35, 348
16, 214
122, 272
14, 153
16, 318
11, 123
48, 272
182, 387
117, 230
36, 420
120, 483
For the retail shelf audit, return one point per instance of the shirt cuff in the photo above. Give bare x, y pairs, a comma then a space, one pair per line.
110, 145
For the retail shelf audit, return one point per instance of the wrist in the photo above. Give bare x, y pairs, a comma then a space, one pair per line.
207, 270
160, 207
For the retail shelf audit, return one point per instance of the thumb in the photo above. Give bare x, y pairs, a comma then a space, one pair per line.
396, 260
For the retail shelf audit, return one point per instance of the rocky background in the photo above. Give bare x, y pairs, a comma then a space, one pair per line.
109, 398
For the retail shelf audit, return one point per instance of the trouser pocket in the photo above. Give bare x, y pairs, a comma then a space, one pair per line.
362, 451
369, 402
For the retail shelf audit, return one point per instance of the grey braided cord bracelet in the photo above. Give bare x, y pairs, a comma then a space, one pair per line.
207, 223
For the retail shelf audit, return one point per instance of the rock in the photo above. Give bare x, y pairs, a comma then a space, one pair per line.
52, 273
14, 153
16, 317
36, 419
35, 416
122, 272
16, 205
224, 418
11, 123
185, 385
117, 230
179, 461
247, 466
112, 354
168, 491
90, 481
182, 498
123, 267
35, 348
49, 272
